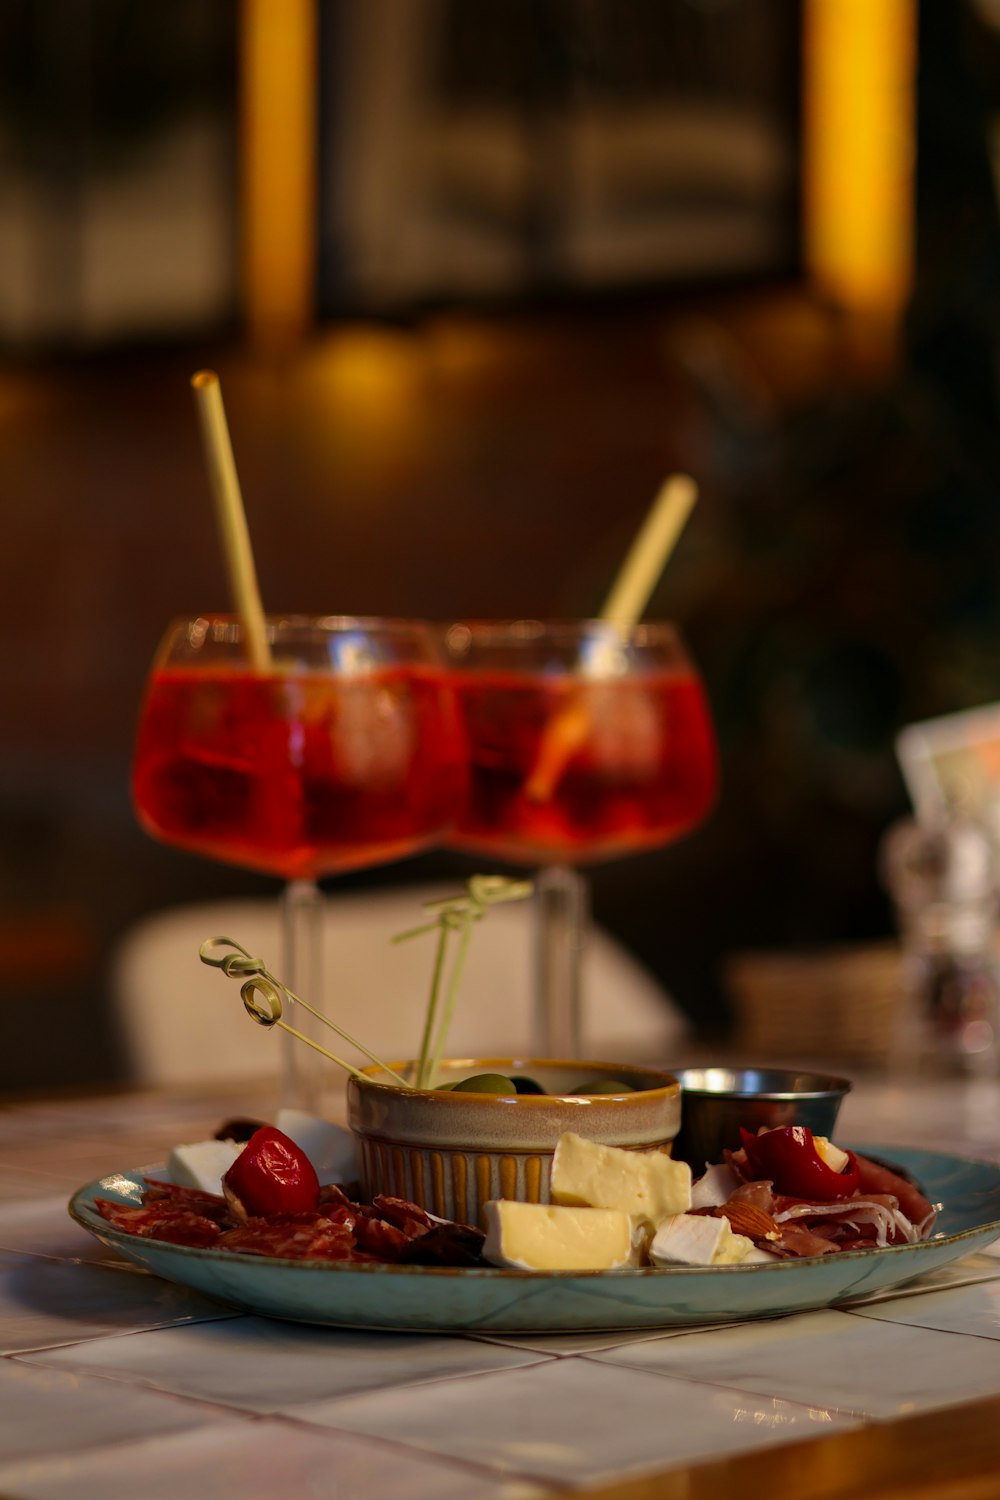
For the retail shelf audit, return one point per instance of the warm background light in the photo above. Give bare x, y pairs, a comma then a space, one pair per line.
278, 162
859, 87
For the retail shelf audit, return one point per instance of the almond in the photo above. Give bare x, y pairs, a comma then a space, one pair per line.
746, 1218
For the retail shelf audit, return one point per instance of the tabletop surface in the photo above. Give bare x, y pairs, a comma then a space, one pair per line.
114, 1383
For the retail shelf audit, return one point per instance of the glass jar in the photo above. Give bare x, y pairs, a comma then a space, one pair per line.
943, 880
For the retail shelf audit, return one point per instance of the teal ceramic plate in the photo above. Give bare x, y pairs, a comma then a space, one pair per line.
430, 1299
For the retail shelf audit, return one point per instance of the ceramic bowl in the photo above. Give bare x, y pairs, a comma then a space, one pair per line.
715, 1102
451, 1152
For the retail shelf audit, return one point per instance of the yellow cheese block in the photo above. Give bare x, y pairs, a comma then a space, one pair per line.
545, 1237
647, 1184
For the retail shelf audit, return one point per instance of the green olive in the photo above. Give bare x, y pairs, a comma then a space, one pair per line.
444, 1088
526, 1085
485, 1083
603, 1086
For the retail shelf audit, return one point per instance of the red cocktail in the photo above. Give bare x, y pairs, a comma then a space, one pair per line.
342, 750
643, 772
295, 774
586, 742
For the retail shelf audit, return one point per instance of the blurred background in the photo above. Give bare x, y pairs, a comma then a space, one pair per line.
476, 274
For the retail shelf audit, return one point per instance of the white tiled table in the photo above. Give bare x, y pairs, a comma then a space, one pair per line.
115, 1384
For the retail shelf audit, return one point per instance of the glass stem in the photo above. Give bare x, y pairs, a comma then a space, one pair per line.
302, 931
562, 904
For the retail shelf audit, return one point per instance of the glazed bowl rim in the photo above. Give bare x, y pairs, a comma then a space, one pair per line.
669, 1087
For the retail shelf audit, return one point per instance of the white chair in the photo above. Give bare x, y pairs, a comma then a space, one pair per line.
183, 1022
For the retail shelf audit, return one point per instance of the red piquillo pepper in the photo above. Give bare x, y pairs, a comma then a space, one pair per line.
271, 1175
787, 1157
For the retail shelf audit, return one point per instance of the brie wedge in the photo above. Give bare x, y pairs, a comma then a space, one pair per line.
547, 1237
698, 1240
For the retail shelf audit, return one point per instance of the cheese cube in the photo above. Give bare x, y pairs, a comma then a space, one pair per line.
647, 1184
698, 1240
546, 1237
202, 1164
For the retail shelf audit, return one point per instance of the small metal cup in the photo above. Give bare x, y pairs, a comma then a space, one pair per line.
715, 1102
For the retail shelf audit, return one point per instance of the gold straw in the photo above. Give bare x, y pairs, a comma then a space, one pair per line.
231, 516
630, 593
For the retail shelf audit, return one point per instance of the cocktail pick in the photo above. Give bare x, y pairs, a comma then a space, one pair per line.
261, 992
231, 516
455, 914
630, 593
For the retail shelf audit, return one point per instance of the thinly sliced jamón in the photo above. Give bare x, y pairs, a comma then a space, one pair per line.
876, 1178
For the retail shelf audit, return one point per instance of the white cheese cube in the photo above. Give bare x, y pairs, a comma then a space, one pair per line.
646, 1184
546, 1237
698, 1240
331, 1149
202, 1164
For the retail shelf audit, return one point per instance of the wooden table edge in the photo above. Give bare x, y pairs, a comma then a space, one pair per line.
950, 1453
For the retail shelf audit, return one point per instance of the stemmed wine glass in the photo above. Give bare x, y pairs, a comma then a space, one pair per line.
587, 741
342, 753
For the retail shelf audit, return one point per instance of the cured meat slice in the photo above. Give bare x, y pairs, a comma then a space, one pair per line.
383, 1240
333, 1193
298, 1237
447, 1245
798, 1239
408, 1217
211, 1205
160, 1221
876, 1177
390, 1229
865, 1221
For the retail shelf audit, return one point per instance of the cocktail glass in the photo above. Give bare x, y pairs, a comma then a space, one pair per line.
343, 753
586, 742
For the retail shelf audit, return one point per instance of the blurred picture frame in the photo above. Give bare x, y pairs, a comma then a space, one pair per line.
570, 150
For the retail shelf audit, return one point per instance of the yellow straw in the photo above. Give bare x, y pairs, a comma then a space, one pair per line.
630, 593
231, 516
647, 557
